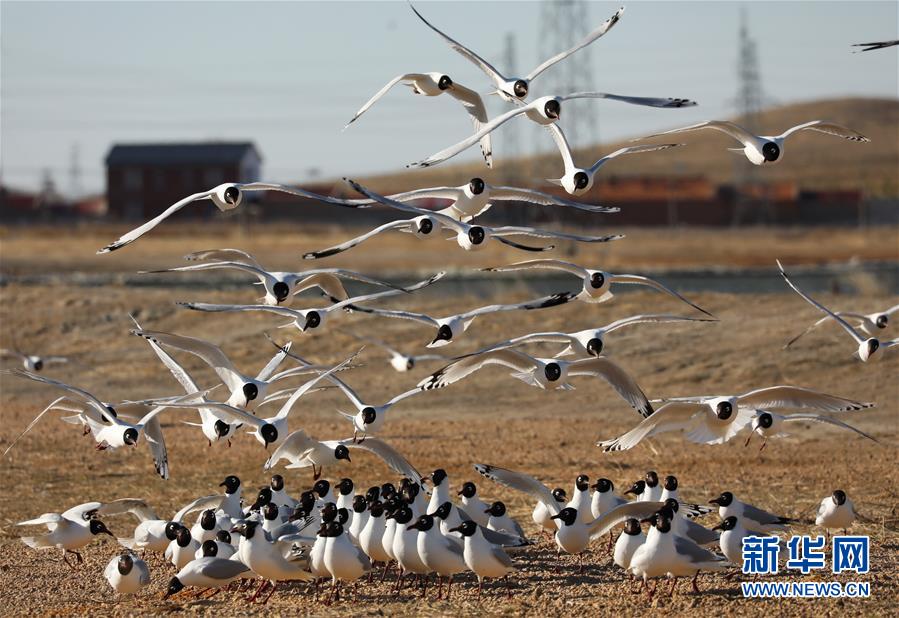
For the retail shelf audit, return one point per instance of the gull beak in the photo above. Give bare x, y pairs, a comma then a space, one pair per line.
456, 529
719, 526
412, 527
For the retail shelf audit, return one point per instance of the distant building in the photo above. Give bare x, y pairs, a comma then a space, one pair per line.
144, 179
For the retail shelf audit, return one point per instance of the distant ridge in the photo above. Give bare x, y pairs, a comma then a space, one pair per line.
813, 161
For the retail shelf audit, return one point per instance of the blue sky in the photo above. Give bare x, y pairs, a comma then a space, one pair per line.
288, 75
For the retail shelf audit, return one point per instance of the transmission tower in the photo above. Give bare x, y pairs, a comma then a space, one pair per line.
562, 24
749, 105
75, 171
749, 90
511, 134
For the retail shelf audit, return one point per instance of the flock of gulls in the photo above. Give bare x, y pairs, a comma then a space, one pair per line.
422, 525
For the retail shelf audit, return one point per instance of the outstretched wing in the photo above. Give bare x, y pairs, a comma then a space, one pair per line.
608, 520
631, 150
601, 30
735, 131
545, 302
224, 255
137, 232
81, 394
380, 93
797, 397
818, 418
829, 128
137, 507
545, 199
211, 354
471, 140
394, 460
638, 279
467, 365
474, 105
358, 240
482, 64
574, 269
206, 502
520, 482
618, 379
511, 230
670, 417
644, 101
858, 338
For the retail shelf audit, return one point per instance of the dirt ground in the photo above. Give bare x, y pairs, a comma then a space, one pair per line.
488, 418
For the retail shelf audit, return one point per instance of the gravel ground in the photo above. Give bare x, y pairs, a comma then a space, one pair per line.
488, 418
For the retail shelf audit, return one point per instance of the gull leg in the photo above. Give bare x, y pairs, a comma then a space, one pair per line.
640, 588
695, 587
271, 592
262, 586
439, 587
449, 587
508, 586
764, 444
673, 584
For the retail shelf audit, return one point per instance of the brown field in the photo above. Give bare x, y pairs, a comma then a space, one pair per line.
488, 418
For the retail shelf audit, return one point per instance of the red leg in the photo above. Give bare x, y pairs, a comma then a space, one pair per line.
640, 589
271, 592
695, 587
262, 587
673, 585
449, 587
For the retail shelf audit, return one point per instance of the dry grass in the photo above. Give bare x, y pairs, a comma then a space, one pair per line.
281, 246
488, 418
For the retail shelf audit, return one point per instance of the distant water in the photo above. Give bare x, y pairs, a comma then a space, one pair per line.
882, 277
